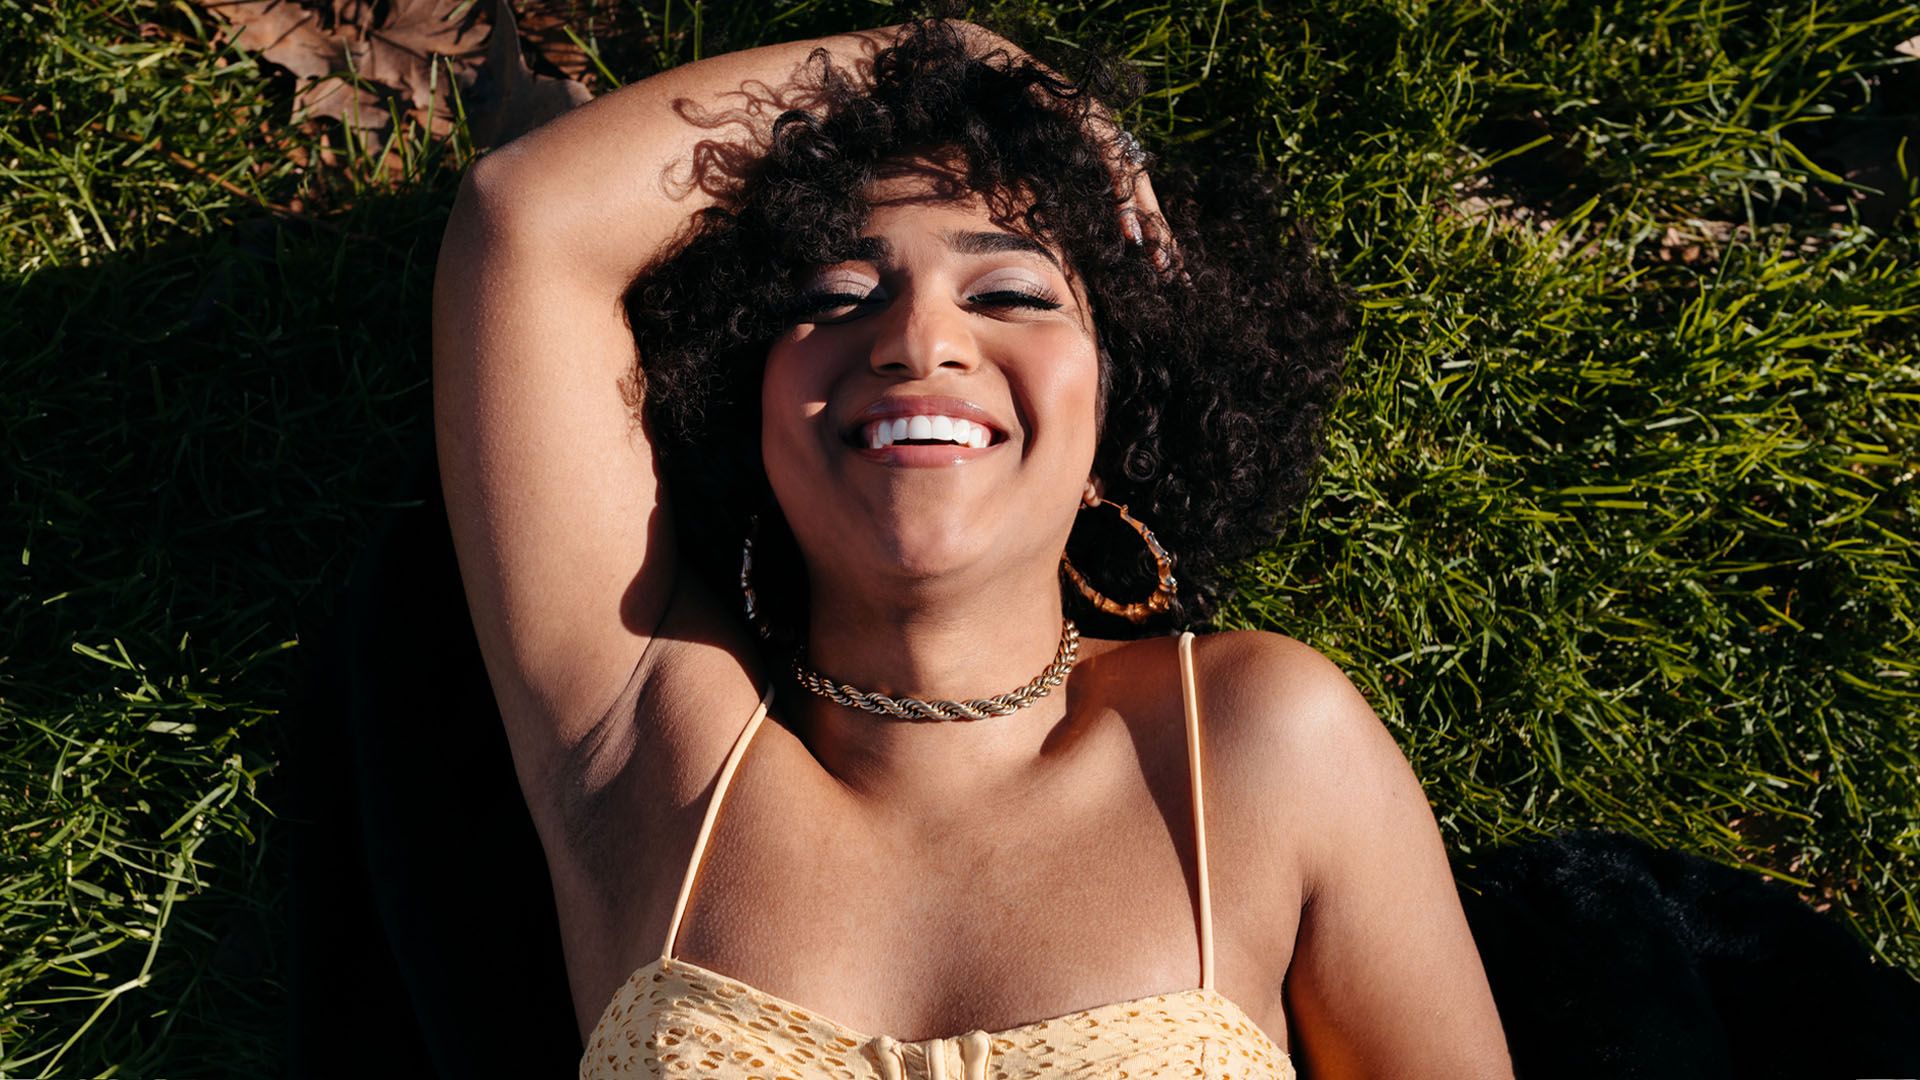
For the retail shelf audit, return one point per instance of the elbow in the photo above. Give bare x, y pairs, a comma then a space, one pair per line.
483, 193
495, 201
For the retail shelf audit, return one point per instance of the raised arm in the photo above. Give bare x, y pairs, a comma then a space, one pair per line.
563, 534
563, 541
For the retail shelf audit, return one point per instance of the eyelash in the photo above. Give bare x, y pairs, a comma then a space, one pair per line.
815, 302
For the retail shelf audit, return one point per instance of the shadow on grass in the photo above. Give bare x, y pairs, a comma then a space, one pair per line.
202, 436
422, 911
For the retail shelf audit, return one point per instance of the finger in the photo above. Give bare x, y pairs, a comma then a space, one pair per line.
1140, 213
1143, 196
1125, 177
1146, 206
1137, 213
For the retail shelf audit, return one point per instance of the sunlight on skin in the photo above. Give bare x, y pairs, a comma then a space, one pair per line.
935, 317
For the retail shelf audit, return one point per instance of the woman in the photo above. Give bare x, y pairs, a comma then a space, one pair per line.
906, 352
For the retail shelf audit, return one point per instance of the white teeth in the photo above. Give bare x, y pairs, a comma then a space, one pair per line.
883, 433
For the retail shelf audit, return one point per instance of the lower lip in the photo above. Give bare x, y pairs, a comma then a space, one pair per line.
912, 457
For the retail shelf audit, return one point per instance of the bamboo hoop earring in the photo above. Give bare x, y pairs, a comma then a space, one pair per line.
755, 616
1141, 610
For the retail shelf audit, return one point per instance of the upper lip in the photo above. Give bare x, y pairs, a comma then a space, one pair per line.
890, 407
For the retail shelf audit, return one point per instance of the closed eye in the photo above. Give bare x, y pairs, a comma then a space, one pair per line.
810, 307
822, 303
1016, 298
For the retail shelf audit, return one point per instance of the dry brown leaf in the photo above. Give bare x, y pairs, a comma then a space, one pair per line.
360, 63
508, 99
616, 34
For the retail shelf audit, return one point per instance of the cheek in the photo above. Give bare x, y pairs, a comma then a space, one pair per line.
1067, 391
793, 395
788, 394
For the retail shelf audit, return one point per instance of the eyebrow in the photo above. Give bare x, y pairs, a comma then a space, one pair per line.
876, 248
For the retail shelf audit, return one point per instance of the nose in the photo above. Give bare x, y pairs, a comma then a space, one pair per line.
920, 333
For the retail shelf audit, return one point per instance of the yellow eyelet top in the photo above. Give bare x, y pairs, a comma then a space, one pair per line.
674, 1018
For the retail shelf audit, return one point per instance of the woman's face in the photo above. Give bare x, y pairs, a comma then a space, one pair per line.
985, 325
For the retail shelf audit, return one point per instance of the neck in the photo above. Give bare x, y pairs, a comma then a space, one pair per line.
957, 641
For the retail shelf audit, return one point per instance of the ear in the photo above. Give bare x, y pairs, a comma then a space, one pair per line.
1093, 492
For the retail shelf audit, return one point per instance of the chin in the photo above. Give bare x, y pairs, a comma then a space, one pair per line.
919, 551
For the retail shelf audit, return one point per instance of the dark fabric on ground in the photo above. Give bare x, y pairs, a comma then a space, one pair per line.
1612, 958
426, 941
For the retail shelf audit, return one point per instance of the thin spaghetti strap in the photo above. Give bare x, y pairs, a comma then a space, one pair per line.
713, 811
1190, 698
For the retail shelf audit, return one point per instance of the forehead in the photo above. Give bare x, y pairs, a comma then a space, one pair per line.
931, 194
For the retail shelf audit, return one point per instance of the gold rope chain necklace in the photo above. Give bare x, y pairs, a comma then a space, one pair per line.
907, 708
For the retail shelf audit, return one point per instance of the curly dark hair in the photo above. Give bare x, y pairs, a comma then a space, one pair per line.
1215, 386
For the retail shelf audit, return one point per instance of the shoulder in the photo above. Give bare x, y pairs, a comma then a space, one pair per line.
1250, 661
1301, 740
1269, 692
1381, 968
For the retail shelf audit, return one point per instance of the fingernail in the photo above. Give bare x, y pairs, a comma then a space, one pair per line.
1133, 230
1161, 260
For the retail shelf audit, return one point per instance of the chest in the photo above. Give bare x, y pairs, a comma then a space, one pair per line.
1084, 896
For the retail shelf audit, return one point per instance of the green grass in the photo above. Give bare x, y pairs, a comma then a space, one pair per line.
1613, 532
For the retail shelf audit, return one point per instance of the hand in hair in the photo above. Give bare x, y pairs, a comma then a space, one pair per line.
1140, 215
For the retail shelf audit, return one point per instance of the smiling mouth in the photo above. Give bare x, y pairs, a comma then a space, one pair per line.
922, 431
